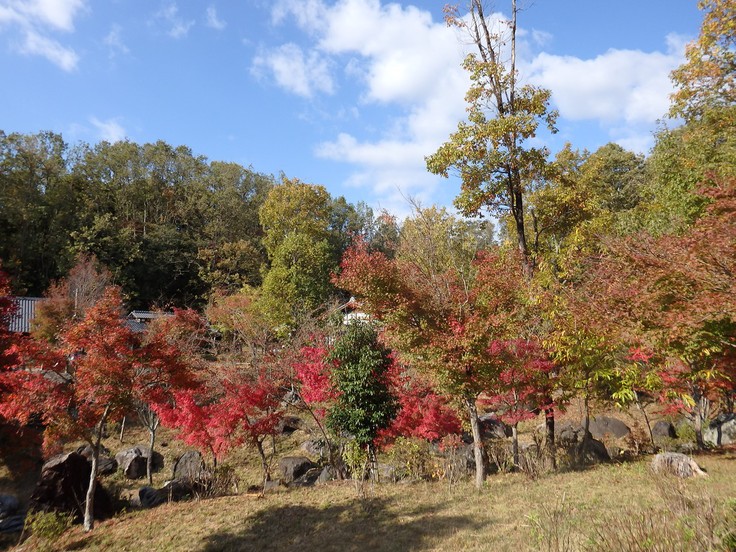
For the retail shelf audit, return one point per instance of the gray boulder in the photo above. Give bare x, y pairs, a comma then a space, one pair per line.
721, 431
172, 491
189, 465
105, 464
132, 461
677, 464
603, 427
664, 430
327, 474
570, 437
493, 428
64, 479
315, 447
309, 478
293, 467
289, 424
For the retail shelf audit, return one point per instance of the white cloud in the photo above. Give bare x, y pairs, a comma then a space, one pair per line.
114, 40
58, 14
213, 21
620, 85
36, 20
40, 45
300, 73
309, 14
402, 59
177, 26
110, 130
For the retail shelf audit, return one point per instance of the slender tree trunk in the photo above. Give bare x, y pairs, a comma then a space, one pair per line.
549, 441
700, 415
151, 442
480, 468
515, 445
646, 420
264, 465
122, 429
586, 431
89, 504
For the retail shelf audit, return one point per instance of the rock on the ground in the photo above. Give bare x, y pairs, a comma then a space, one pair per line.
663, 429
105, 464
569, 436
493, 428
602, 427
132, 461
12, 524
189, 465
173, 491
721, 431
678, 464
315, 447
293, 467
309, 478
289, 424
327, 474
63, 486
9, 505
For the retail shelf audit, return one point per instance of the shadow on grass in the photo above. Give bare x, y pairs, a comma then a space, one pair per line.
360, 525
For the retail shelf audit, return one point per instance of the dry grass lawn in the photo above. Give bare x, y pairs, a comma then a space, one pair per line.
511, 513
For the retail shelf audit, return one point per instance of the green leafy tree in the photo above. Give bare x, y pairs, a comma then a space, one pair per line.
298, 281
365, 404
491, 151
295, 208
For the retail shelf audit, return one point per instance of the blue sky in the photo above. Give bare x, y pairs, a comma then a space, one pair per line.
350, 94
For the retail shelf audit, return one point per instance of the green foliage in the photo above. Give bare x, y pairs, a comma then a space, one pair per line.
294, 208
412, 458
684, 159
298, 281
365, 403
48, 527
707, 79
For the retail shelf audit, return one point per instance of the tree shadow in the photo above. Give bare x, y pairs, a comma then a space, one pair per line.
360, 525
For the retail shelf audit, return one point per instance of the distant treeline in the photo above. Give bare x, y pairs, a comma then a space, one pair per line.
170, 225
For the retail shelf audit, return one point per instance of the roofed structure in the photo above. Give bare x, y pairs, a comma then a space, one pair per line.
22, 318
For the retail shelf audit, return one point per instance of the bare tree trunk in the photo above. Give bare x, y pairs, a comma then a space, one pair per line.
89, 504
646, 419
549, 441
122, 429
480, 468
264, 465
149, 461
700, 417
515, 445
586, 431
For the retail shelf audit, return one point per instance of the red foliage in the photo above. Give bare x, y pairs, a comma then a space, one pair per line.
422, 412
101, 367
313, 373
524, 383
8, 353
218, 421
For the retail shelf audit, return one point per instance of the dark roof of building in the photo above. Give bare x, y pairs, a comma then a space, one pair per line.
21, 320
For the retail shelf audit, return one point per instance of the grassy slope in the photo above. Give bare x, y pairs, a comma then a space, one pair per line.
425, 516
